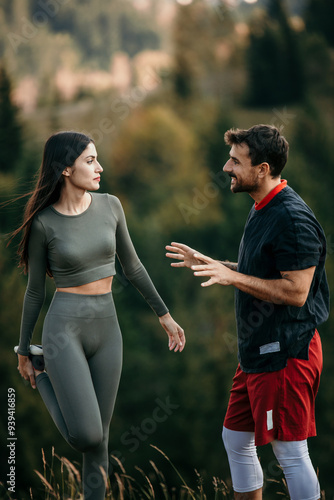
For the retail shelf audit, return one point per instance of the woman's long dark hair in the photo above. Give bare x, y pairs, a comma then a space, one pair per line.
60, 151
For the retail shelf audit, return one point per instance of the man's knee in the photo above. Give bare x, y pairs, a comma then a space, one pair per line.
239, 442
290, 450
246, 472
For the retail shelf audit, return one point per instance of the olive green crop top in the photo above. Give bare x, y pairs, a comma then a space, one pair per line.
80, 249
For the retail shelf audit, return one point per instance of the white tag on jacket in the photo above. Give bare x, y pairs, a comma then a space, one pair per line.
272, 347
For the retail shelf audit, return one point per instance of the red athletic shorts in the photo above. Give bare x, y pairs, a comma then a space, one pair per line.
277, 405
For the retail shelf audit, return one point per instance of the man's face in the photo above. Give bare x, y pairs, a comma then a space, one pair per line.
244, 176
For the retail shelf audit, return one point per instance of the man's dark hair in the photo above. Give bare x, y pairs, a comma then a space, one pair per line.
266, 144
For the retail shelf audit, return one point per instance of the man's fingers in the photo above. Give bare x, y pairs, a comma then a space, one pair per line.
177, 256
208, 283
200, 256
204, 267
203, 273
178, 264
172, 248
179, 245
200, 267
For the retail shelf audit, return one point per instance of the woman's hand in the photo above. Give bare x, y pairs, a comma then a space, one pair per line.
26, 370
175, 333
184, 254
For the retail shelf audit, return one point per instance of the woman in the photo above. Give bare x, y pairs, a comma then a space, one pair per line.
73, 234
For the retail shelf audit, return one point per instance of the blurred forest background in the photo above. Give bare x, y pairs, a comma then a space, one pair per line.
156, 83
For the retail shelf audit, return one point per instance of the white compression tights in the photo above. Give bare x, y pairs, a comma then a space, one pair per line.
298, 470
293, 457
245, 467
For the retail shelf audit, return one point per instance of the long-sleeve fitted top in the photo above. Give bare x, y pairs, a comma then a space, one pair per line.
80, 249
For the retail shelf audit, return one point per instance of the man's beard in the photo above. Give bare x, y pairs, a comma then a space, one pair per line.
244, 187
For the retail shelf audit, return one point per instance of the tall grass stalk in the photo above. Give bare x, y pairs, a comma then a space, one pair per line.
122, 486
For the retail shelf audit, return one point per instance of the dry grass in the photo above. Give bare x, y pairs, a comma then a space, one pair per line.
65, 484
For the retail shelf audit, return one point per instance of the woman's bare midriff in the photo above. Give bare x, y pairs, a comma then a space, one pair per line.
93, 288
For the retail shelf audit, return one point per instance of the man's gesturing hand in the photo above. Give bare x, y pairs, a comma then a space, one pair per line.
201, 264
217, 271
184, 254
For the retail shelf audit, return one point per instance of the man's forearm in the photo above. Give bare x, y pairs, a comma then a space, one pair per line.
278, 291
291, 289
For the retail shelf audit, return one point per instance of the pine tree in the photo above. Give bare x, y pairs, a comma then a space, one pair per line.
10, 129
319, 19
275, 64
185, 70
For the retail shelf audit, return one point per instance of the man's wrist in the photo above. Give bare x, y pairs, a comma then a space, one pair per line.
231, 265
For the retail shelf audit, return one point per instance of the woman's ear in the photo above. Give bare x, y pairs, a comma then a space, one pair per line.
66, 172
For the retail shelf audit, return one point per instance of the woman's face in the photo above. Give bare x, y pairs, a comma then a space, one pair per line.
85, 171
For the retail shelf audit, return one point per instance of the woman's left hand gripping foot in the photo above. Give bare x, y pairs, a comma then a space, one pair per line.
26, 370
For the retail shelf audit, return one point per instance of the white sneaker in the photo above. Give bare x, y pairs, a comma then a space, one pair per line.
35, 356
34, 349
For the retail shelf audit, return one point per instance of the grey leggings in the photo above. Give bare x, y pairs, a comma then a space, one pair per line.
82, 347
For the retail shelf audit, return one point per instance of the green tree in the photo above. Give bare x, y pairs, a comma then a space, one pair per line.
10, 128
158, 168
274, 61
197, 31
317, 53
319, 17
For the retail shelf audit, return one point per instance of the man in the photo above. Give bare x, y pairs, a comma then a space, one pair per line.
281, 297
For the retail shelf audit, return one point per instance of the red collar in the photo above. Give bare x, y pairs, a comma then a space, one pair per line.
271, 195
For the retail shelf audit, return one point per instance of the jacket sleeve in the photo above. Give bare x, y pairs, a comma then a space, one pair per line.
35, 292
131, 264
